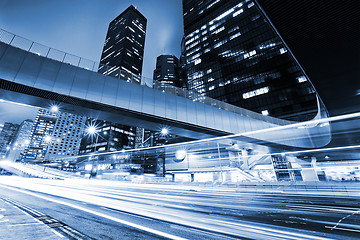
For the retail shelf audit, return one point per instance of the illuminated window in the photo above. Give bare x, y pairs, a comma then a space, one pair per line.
250, 5
197, 61
283, 50
238, 12
265, 112
235, 35
256, 92
225, 14
301, 79
220, 43
211, 88
233, 29
219, 30
210, 5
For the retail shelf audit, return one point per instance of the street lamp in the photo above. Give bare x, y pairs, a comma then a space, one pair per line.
54, 108
91, 130
47, 138
164, 131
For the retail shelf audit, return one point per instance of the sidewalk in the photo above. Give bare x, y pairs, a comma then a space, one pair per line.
16, 224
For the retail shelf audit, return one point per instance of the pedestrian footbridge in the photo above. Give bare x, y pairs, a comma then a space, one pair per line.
30, 77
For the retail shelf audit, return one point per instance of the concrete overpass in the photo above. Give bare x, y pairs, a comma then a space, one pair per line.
30, 78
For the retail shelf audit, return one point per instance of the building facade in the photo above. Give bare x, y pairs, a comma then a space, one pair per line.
66, 138
167, 71
7, 136
234, 54
108, 137
22, 140
40, 138
54, 135
123, 52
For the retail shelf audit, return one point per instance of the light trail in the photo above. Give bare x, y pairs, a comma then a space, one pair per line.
137, 226
201, 210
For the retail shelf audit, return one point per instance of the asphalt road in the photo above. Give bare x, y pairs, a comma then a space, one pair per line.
118, 210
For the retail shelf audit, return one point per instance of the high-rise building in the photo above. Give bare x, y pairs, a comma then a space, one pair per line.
167, 71
123, 52
22, 139
54, 135
66, 138
40, 138
7, 136
107, 137
124, 46
235, 54
183, 66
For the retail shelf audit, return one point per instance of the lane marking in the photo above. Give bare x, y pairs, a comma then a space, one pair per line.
134, 225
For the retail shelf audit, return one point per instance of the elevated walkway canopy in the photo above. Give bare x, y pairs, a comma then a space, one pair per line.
30, 78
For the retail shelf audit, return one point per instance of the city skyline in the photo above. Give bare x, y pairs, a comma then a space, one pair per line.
330, 71
81, 29
249, 127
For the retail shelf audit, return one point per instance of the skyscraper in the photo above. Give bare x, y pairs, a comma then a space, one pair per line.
234, 54
40, 138
54, 135
167, 71
124, 46
66, 137
7, 136
22, 139
108, 137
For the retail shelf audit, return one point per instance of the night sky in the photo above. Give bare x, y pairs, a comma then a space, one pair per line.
79, 27
324, 35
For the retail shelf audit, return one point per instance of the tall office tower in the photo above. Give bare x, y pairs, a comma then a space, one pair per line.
21, 140
7, 136
108, 137
234, 54
124, 46
66, 138
40, 138
54, 135
167, 71
183, 66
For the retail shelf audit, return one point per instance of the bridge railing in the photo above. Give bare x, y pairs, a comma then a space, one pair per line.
114, 71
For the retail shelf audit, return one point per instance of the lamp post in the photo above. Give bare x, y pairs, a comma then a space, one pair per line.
164, 131
91, 130
54, 108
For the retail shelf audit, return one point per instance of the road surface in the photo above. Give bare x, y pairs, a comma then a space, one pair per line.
97, 209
